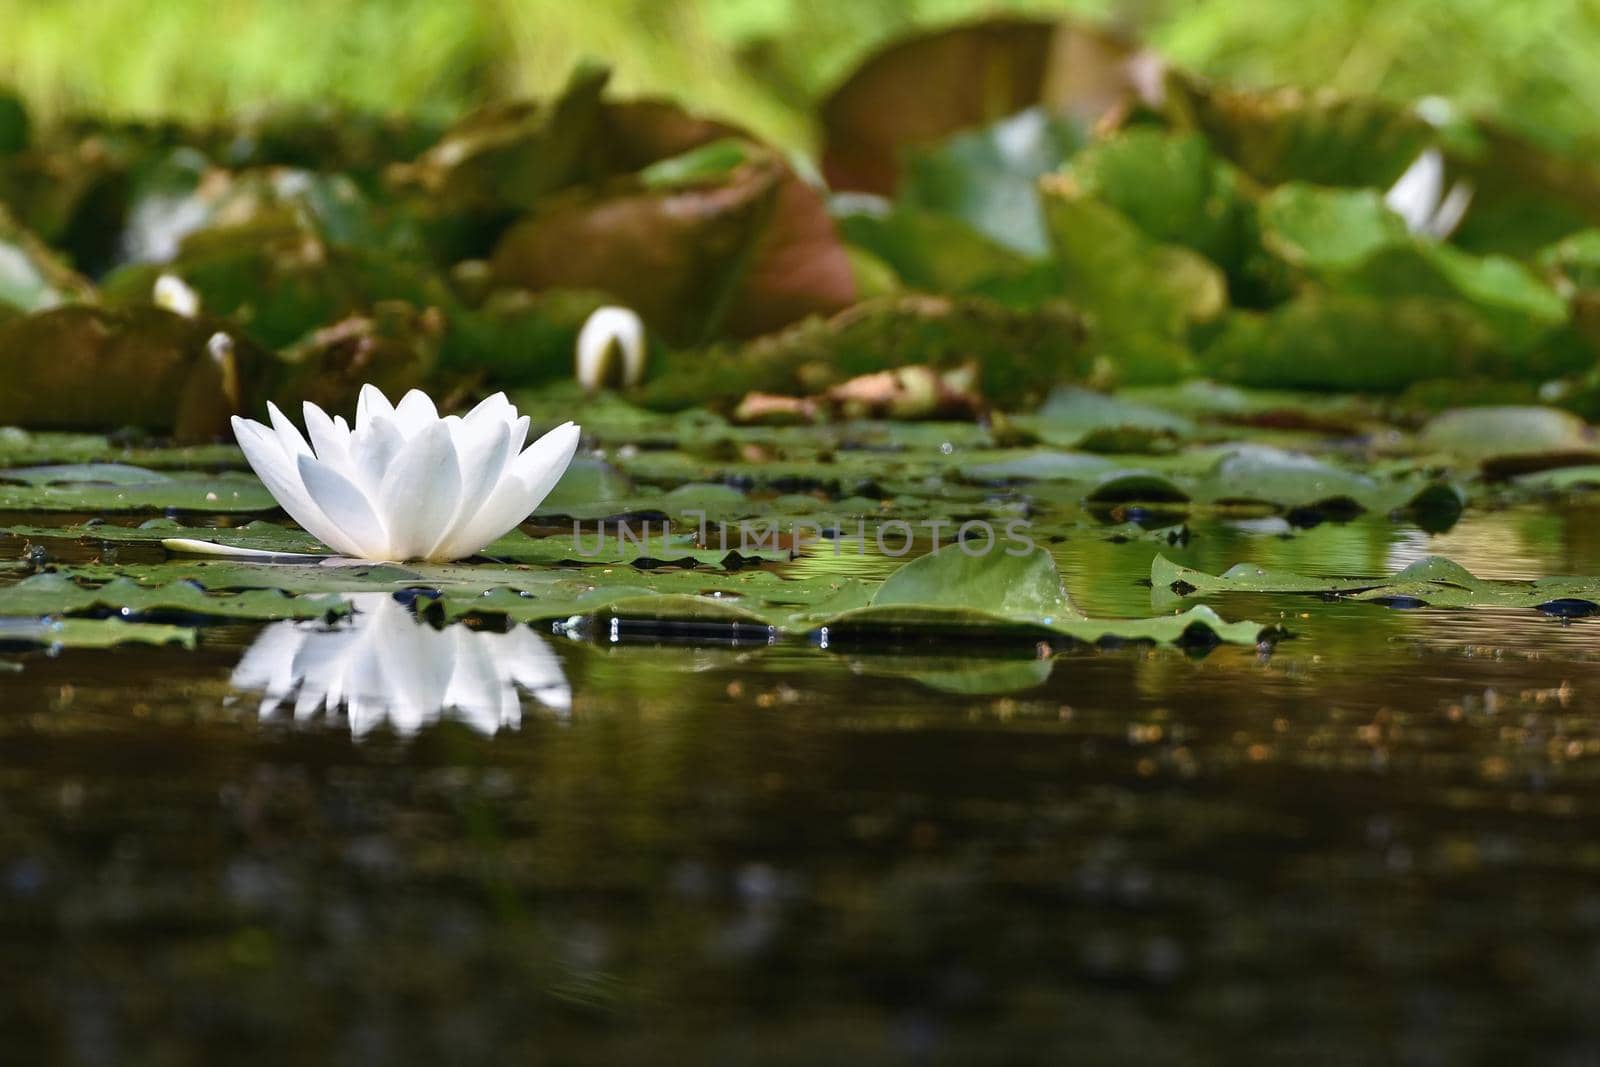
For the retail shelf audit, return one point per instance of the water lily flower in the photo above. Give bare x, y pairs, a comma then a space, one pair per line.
1419, 198
610, 333
385, 664
406, 484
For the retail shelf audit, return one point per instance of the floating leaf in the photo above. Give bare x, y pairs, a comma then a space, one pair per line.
1510, 440
1081, 418
953, 589
1433, 581
91, 633
224, 492
57, 594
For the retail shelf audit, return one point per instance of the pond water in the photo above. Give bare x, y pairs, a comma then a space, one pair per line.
1373, 842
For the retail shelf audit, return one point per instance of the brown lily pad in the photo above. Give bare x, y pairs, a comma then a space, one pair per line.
742, 254
923, 88
81, 367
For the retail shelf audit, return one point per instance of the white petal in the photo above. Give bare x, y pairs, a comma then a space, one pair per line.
372, 404
278, 472
496, 407
483, 449
347, 507
1415, 196
288, 433
329, 440
421, 493
1451, 212
372, 452
528, 480
542, 463
415, 413
194, 547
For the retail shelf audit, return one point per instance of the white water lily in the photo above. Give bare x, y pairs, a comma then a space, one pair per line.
404, 483
1419, 198
610, 333
385, 664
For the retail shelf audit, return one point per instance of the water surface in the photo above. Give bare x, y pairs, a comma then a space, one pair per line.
1371, 843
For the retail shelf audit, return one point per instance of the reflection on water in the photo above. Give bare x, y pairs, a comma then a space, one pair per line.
1373, 844
383, 664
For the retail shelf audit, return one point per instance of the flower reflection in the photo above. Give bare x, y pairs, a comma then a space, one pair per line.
386, 664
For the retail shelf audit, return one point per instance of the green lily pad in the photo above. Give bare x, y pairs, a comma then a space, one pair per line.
929, 251
187, 491
951, 589
1174, 188
988, 178
1511, 439
1432, 581
1349, 343
91, 633
20, 447
1072, 417
1143, 296
58, 594
1324, 230
644, 541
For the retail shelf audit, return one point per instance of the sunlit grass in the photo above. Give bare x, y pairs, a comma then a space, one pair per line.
765, 62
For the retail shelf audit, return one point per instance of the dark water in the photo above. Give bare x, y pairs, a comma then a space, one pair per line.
1376, 843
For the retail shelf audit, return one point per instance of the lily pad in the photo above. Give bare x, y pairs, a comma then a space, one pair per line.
953, 589
1511, 440
226, 491
57, 594
91, 633
1433, 581
988, 178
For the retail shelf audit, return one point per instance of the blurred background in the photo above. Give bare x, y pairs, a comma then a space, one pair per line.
767, 62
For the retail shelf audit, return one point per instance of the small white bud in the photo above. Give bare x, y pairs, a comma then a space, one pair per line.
1419, 198
610, 330
176, 295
